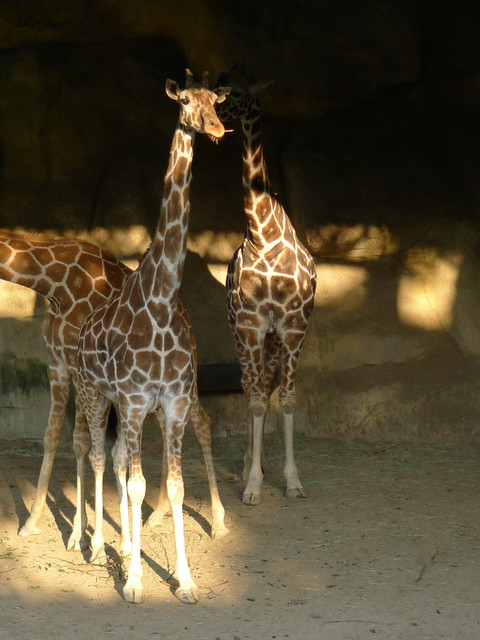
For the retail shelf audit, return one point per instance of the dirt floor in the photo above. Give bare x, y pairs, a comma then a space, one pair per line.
387, 545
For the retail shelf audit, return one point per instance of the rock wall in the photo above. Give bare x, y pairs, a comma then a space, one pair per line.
372, 138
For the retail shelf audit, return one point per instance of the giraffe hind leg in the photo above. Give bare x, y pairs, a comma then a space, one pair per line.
81, 446
294, 488
163, 503
252, 492
59, 393
120, 467
201, 426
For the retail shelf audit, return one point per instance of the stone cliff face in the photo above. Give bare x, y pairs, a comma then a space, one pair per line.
372, 138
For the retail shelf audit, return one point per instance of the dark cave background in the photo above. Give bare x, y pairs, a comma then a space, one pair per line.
372, 135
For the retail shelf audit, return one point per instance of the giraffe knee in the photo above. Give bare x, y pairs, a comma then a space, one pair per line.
258, 408
81, 445
136, 489
288, 405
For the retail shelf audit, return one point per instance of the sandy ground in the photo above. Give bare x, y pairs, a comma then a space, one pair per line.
387, 545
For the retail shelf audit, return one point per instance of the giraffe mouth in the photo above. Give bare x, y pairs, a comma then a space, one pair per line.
215, 138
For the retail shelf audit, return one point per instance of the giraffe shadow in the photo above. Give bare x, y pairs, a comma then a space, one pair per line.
20, 507
63, 511
202, 522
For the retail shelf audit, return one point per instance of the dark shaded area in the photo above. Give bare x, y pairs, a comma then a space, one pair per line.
372, 138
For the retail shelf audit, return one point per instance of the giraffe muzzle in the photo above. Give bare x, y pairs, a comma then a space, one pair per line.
213, 128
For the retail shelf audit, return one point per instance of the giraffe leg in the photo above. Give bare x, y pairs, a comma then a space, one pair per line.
120, 466
250, 354
59, 392
252, 492
133, 590
163, 503
97, 421
81, 446
294, 488
248, 456
130, 430
201, 425
177, 418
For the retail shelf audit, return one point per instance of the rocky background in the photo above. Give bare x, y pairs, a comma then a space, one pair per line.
372, 134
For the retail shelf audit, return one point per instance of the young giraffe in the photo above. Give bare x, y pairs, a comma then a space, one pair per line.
76, 277
136, 351
270, 286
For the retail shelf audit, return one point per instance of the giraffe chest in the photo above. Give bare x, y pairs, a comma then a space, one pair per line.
134, 355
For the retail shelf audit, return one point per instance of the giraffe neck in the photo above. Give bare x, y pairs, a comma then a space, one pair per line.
66, 272
19, 264
161, 268
267, 222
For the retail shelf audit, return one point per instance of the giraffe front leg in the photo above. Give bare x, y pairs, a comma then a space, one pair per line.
97, 541
187, 591
133, 590
120, 465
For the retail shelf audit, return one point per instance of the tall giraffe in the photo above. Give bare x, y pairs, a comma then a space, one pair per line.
136, 351
76, 277
270, 287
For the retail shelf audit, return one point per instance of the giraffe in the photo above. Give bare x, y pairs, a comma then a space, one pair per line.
270, 284
135, 350
76, 277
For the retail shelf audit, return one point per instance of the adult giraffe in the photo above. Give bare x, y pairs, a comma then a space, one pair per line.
270, 287
75, 277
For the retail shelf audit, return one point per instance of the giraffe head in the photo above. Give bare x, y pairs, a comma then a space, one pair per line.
196, 102
243, 94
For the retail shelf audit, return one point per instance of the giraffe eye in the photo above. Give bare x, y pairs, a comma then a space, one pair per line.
185, 101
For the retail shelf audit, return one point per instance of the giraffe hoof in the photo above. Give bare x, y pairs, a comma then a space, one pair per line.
219, 531
134, 593
187, 595
28, 529
126, 549
77, 544
98, 551
156, 518
295, 492
251, 499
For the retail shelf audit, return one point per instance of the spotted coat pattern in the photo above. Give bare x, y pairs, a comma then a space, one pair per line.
75, 277
270, 287
135, 350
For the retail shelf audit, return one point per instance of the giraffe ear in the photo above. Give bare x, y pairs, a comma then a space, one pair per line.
260, 87
171, 87
222, 93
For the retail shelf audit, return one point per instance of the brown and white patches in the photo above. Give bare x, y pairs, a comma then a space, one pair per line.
270, 284
138, 352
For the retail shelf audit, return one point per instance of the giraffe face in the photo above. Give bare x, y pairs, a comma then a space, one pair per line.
197, 110
243, 94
